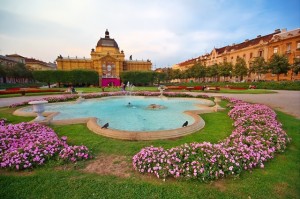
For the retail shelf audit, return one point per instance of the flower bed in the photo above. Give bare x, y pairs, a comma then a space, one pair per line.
28, 145
256, 138
26, 90
49, 99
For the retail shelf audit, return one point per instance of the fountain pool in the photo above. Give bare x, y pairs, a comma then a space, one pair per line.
130, 113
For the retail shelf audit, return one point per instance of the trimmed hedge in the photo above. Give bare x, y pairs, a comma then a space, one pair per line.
272, 85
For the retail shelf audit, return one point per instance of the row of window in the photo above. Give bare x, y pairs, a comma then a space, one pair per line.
288, 47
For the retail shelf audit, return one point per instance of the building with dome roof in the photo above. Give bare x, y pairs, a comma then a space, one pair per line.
107, 60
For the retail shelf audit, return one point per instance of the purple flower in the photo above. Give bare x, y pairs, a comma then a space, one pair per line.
255, 139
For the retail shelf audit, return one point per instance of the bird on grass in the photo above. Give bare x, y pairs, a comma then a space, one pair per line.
105, 126
185, 124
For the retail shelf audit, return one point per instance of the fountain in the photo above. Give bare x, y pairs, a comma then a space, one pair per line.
155, 106
130, 88
39, 108
161, 90
80, 96
217, 107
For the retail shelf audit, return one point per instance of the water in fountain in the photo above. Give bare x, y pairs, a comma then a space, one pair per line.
130, 88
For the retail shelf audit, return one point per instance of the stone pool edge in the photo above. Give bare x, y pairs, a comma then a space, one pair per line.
92, 125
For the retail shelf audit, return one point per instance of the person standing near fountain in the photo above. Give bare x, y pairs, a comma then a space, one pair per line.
123, 86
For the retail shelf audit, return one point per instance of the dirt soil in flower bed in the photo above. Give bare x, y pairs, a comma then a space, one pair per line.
110, 165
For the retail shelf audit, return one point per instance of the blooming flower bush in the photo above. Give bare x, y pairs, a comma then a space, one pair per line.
27, 145
256, 138
49, 99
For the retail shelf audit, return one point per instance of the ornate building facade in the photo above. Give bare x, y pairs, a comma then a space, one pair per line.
107, 60
280, 41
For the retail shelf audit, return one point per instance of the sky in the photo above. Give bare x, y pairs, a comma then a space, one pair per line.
165, 31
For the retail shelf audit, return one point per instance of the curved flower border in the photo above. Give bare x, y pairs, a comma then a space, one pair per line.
256, 138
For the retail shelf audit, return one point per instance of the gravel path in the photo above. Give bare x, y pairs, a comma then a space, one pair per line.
285, 101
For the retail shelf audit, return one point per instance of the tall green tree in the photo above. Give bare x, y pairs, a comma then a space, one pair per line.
18, 73
168, 74
240, 68
225, 69
74, 77
176, 74
2, 73
47, 76
279, 64
258, 66
212, 71
198, 71
295, 66
138, 77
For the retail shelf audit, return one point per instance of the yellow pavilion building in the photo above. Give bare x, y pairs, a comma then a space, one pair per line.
107, 60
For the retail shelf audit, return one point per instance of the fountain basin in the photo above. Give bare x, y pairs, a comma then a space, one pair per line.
151, 124
38, 107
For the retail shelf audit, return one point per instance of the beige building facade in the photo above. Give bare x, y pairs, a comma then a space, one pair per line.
107, 60
280, 41
31, 63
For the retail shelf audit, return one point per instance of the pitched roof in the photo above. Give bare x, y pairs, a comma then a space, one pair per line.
247, 43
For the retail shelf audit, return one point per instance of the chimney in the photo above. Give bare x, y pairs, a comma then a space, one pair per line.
246, 40
277, 30
258, 36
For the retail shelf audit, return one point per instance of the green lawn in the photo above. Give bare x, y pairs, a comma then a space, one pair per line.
248, 91
279, 178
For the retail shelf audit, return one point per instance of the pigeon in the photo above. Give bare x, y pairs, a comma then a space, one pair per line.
105, 126
185, 124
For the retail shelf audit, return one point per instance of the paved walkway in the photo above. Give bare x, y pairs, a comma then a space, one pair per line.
285, 101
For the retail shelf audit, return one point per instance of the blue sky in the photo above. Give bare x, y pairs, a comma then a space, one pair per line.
165, 31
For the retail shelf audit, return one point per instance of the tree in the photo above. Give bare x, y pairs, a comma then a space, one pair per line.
258, 66
2, 73
17, 73
159, 77
240, 68
212, 71
138, 77
83, 77
198, 71
168, 74
279, 64
46, 76
295, 67
225, 69
176, 74
74, 77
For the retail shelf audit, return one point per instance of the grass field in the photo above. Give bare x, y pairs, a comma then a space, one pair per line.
279, 178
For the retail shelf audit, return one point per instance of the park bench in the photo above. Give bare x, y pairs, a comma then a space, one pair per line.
212, 88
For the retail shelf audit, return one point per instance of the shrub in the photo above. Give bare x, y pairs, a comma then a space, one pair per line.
28, 145
256, 138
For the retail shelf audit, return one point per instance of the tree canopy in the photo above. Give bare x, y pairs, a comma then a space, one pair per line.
240, 68
279, 64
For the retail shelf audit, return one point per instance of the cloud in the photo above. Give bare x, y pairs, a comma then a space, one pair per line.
167, 32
